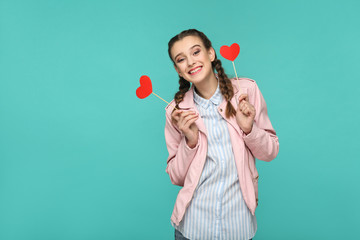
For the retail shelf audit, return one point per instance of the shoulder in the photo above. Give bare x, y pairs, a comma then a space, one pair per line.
243, 82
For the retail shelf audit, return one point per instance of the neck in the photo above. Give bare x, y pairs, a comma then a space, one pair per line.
207, 88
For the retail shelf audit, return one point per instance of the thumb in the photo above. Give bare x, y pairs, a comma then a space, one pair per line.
243, 96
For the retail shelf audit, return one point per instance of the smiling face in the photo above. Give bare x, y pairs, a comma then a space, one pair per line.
192, 60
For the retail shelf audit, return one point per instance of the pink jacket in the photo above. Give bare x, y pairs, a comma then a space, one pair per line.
184, 165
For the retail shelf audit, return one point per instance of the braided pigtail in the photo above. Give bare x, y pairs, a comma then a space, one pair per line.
226, 87
183, 88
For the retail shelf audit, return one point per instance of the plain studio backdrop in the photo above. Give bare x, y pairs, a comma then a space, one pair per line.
81, 157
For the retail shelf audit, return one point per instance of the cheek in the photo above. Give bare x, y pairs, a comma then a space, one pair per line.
182, 67
206, 59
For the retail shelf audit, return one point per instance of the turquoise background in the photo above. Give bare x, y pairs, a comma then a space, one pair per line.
81, 157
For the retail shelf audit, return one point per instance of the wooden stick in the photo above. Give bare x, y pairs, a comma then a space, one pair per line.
236, 76
162, 99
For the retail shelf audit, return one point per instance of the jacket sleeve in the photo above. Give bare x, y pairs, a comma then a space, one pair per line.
262, 140
180, 154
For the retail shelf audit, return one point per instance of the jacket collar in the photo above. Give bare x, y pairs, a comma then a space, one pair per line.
188, 99
188, 103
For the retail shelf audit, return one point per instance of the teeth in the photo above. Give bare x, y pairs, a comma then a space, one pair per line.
195, 70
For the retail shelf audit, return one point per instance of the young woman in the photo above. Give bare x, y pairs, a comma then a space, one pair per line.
213, 139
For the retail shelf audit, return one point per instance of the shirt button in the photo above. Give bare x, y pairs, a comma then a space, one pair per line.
220, 109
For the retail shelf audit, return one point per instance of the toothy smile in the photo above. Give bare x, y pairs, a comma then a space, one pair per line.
195, 70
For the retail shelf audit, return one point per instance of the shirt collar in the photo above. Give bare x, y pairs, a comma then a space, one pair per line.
216, 98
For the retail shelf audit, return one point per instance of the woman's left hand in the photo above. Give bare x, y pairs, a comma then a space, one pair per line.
245, 114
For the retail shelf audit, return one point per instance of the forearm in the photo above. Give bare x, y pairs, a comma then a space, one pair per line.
192, 143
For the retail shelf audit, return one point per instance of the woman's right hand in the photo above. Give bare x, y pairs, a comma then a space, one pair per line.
185, 121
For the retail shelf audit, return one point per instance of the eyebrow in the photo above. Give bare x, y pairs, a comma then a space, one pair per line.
196, 45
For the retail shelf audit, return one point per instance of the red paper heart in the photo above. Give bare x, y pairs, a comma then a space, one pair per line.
230, 53
145, 88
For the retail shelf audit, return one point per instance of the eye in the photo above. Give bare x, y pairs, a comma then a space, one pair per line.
179, 60
196, 52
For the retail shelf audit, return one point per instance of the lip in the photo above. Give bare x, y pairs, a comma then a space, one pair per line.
194, 69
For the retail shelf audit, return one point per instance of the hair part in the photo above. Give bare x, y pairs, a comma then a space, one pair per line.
225, 84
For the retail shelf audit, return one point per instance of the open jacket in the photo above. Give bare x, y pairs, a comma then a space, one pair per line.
185, 164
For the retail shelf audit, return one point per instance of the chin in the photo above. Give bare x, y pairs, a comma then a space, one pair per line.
198, 78
194, 80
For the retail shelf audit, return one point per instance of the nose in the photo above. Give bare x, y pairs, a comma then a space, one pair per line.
191, 61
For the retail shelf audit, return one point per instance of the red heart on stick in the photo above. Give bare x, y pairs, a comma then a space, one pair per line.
145, 88
230, 53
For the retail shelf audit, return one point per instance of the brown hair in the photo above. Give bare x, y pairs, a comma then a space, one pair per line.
225, 84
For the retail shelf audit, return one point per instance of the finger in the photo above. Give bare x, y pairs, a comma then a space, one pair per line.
242, 108
252, 111
243, 96
184, 124
190, 116
241, 105
174, 118
185, 114
190, 121
246, 111
245, 104
176, 113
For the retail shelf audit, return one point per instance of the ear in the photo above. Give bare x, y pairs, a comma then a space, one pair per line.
212, 54
177, 70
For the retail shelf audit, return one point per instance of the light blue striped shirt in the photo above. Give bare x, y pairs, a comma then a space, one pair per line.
217, 209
